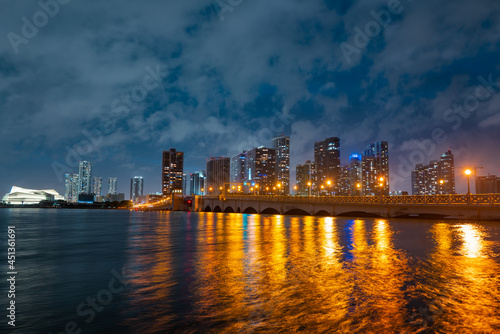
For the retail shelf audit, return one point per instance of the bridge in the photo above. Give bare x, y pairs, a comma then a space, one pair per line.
469, 206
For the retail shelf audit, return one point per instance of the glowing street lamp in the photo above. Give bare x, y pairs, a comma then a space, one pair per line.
441, 182
468, 173
309, 186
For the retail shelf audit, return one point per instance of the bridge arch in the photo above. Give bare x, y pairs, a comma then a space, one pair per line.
322, 213
208, 209
217, 209
297, 212
229, 209
270, 211
359, 214
250, 210
238, 210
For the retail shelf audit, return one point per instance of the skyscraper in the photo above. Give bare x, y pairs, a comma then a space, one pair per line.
355, 175
375, 164
71, 188
85, 178
197, 183
97, 186
327, 160
282, 146
260, 171
184, 184
238, 170
305, 174
438, 177
172, 172
136, 187
112, 183
447, 173
218, 175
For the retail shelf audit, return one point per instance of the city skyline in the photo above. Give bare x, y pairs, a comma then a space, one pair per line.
212, 83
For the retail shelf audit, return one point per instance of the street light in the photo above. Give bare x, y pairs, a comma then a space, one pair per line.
329, 183
358, 187
309, 186
441, 186
468, 173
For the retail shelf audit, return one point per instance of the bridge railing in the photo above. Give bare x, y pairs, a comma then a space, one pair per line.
455, 200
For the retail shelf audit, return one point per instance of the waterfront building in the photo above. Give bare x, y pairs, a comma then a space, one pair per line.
488, 184
115, 197
85, 178
437, 177
218, 175
197, 182
305, 178
260, 171
71, 187
172, 172
136, 187
327, 160
282, 146
22, 196
112, 183
375, 169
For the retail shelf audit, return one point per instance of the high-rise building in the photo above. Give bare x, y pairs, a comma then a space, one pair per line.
97, 186
376, 169
327, 160
218, 175
260, 171
112, 183
237, 177
355, 175
85, 178
488, 184
447, 173
438, 177
197, 183
172, 172
184, 184
305, 177
136, 187
282, 146
344, 183
71, 188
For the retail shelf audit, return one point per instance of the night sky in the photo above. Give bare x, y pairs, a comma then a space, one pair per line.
215, 78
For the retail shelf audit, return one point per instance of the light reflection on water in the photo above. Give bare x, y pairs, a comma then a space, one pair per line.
228, 273
280, 274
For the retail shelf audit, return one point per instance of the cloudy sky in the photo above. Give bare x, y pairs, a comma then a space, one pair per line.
118, 82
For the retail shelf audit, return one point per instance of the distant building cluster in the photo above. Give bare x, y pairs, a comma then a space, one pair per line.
83, 188
365, 174
436, 178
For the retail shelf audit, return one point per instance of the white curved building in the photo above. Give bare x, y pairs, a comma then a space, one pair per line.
22, 196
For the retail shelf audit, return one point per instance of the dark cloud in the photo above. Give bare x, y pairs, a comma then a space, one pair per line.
228, 82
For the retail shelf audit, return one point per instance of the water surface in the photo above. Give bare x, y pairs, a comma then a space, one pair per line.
226, 273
